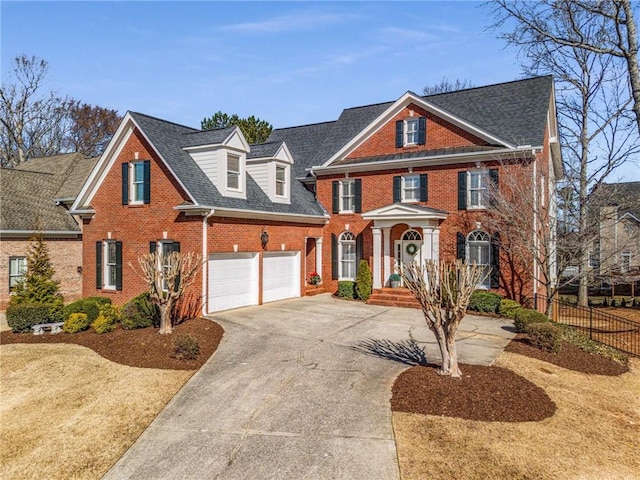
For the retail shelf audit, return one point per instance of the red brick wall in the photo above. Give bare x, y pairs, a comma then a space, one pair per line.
377, 192
137, 225
440, 134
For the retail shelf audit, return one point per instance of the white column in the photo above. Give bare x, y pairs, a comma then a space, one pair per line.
427, 243
319, 258
377, 258
386, 235
435, 246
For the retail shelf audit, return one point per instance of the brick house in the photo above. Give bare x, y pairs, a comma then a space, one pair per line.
35, 200
390, 183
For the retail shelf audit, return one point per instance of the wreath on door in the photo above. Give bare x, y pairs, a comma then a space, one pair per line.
411, 249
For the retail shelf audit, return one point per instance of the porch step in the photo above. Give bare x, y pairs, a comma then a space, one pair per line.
311, 290
393, 297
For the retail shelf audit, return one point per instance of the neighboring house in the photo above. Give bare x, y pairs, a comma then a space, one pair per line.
36, 197
616, 252
390, 183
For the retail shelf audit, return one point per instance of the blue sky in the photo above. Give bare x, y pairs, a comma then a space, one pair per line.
289, 63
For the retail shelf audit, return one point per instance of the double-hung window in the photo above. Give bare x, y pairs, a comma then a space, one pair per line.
347, 196
110, 271
233, 172
137, 182
281, 181
479, 252
594, 260
17, 269
478, 193
165, 248
626, 262
109, 265
411, 131
411, 188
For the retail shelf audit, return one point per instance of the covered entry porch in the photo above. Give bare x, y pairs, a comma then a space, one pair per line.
418, 242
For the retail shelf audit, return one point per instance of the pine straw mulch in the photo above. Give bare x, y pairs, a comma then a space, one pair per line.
492, 394
143, 347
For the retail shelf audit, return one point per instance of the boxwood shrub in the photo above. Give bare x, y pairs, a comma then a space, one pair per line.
525, 316
364, 281
483, 301
22, 316
89, 306
140, 312
346, 289
508, 308
545, 335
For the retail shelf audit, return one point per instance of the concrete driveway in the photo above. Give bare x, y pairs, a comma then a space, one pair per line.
297, 389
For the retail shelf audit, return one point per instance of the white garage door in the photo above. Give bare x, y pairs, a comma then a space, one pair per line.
280, 276
233, 280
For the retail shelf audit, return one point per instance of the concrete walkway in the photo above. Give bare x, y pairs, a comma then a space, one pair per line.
287, 396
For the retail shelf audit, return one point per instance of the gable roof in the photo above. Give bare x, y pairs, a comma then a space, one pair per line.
625, 195
30, 191
514, 111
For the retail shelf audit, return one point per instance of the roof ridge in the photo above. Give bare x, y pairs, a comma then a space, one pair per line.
7, 169
487, 86
165, 121
210, 130
305, 125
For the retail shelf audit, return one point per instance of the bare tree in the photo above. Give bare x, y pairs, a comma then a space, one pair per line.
604, 28
91, 128
446, 85
33, 124
443, 290
168, 276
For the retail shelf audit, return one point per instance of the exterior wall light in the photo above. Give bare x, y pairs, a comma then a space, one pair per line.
264, 238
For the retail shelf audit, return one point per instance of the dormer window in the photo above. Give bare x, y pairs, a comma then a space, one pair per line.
281, 181
233, 172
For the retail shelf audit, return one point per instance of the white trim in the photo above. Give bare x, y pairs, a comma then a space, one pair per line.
255, 214
403, 188
405, 100
484, 175
341, 183
422, 161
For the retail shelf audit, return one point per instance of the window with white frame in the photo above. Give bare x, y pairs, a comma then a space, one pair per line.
411, 131
477, 191
281, 181
347, 196
411, 188
233, 172
136, 187
17, 269
164, 249
626, 262
594, 260
479, 252
347, 255
109, 268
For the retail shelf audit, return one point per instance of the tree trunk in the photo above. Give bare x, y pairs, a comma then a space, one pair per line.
165, 319
448, 353
632, 59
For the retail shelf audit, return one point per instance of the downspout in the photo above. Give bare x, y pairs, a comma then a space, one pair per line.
535, 224
205, 261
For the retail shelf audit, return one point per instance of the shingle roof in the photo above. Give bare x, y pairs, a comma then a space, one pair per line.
207, 137
264, 150
514, 111
29, 192
169, 138
625, 195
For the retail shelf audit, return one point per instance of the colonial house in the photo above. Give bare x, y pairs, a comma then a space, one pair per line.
389, 183
36, 197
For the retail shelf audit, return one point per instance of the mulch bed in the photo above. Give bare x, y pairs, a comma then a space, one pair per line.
489, 394
143, 347
569, 357
492, 394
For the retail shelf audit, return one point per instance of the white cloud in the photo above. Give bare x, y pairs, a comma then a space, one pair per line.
289, 23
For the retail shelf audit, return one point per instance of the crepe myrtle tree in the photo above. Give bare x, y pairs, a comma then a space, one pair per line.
443, 290
168, 276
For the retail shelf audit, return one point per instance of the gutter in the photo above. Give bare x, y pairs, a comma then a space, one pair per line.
46, 233
252, 214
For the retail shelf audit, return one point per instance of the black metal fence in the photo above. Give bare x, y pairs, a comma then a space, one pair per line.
603, 327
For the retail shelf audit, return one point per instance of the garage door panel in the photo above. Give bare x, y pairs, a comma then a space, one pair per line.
280, 276
233, 281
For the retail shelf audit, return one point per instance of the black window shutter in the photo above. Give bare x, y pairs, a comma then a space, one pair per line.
335, 204
125, 184
358, 195
422, 130
146, 193
424, 193
118, 265
334, 256
175, 247
399, 133
461, 246
397, 189
493, 178
495, 260
462, 190
98, 265
152, 247
359, 251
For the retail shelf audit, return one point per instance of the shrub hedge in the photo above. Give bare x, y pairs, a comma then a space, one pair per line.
545, 335
186, 347
346, 289
140, 312
22, 316
526, 316
76, 322
364, 280
483, 301
508, 308
88, 306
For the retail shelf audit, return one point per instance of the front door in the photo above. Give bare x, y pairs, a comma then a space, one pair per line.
408, 249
